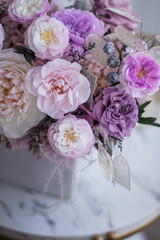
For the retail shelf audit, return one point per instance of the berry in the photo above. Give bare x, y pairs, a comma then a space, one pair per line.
109, 48
113, 78
113, 62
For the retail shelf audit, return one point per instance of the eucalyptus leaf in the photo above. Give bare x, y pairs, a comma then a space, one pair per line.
128, 38
97, 53
92, 80
155, 53
124, 14
121, 169
106, 163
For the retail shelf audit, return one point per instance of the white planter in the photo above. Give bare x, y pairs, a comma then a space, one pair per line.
25, 170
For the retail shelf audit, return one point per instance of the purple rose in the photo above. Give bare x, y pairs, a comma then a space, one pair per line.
140, 75
116, 111
80, 24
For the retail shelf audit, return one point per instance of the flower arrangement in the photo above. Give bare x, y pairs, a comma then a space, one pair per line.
74, 79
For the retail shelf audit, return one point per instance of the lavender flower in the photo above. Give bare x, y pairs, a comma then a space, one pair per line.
116, 111
80, 24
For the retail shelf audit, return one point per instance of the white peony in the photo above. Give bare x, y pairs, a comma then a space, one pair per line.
18, 108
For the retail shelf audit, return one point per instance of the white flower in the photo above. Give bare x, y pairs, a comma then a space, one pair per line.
25, 11
18, 108
47, 37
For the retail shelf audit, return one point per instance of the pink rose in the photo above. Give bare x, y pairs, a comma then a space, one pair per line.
71, 137
140, 75
47, 38
59, 86
25, 11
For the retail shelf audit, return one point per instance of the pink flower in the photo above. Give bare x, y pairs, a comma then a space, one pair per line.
2, 36
100, 71
140, 75
25, 11
59, 86
71, 137
18, 108
47, 38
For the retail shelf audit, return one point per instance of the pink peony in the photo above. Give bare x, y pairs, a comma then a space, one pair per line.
47, 38
25, 11
59, 86
140, 75
71, 137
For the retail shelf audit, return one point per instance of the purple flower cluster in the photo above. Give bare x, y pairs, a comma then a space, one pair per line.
116, 111
80, 24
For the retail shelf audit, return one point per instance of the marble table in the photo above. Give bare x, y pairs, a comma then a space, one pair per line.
96, 206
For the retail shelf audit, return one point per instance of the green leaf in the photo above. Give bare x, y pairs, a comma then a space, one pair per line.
28, 54
147, 120
142, 107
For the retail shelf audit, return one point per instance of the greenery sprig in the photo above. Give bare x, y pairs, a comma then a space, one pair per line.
146, 120
77, 56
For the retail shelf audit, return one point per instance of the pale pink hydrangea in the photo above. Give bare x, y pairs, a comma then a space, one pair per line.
2, 36
71, 137
140, 75
100, 71
25, 11
59, 86
47, 38
18, 108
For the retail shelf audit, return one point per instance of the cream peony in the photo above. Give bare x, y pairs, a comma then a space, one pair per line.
18, 108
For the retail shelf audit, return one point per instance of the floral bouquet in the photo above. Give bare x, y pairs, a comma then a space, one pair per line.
74, 79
